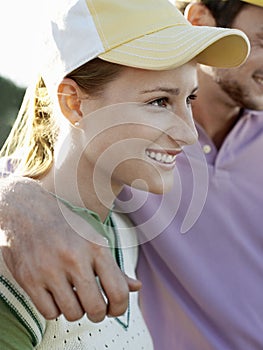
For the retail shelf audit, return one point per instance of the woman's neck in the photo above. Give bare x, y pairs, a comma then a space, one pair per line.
74, 181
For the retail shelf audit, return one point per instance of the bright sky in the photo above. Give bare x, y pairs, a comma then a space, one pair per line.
20, 21
18, 36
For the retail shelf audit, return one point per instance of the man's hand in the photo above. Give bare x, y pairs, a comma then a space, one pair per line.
48, 258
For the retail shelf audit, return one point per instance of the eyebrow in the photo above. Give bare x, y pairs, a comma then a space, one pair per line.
172, 91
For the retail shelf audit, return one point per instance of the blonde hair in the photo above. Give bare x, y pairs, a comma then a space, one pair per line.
30, 144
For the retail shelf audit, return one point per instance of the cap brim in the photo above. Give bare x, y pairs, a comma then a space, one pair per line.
173, 46
254, 2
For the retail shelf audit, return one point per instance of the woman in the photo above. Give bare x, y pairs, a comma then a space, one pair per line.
112, 105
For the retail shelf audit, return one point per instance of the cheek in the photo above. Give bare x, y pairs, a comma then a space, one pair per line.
109, 149
139, 173
142, 174
239, 74
120, 148
127, 139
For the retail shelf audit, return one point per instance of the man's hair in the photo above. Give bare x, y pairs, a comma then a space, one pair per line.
224, 11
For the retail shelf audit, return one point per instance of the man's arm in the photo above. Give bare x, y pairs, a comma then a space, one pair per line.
47, 257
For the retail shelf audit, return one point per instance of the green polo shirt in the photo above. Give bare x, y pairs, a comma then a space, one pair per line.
106, 229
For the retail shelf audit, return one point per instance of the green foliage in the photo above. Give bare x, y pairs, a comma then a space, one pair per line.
11, 97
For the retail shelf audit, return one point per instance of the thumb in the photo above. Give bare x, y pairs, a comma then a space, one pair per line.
133, 284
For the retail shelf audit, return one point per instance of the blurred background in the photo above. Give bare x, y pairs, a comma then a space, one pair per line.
10, 99
20, 24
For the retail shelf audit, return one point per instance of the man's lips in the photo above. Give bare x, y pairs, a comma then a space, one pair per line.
258, 78
163, 156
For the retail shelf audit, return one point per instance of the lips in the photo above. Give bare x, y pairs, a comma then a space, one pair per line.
165, 157
258, 78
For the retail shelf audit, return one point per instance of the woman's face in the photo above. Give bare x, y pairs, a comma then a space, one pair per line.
134, 130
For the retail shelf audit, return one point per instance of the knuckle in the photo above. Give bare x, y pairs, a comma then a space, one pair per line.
24, 276
120, 296
100, 245
70, 257
101, 242
28, 275
45, 268
49, 276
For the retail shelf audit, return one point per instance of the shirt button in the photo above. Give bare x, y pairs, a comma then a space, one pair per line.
207, 149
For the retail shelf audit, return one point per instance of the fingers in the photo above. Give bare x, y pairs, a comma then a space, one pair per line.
87, 298
97, 304
51, 289
80, 272
45, 302
66, 299
114, 298
114, 285
90, 296
39, 296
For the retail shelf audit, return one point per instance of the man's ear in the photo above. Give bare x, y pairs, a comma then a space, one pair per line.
69, 101
199, 15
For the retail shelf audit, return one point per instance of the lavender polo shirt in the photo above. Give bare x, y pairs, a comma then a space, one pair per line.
203, 289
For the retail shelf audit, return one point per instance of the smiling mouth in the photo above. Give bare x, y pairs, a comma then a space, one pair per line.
165, 157
258, 79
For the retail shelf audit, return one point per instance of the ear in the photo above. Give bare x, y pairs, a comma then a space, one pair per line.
69, 101
199, 15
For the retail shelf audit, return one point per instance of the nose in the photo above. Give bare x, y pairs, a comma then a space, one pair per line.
183, 130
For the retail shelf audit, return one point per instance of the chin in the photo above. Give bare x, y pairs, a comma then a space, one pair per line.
151, 181
161, 188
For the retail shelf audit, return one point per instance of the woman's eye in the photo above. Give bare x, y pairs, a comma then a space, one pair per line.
160, 102
191, 98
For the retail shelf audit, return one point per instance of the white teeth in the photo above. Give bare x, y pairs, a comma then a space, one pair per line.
163, 158
170, 158
158, 156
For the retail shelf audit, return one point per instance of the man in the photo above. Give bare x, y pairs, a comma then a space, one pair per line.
201, 259
205, 286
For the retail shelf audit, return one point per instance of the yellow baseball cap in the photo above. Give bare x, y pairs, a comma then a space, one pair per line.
148, 34
255, 2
